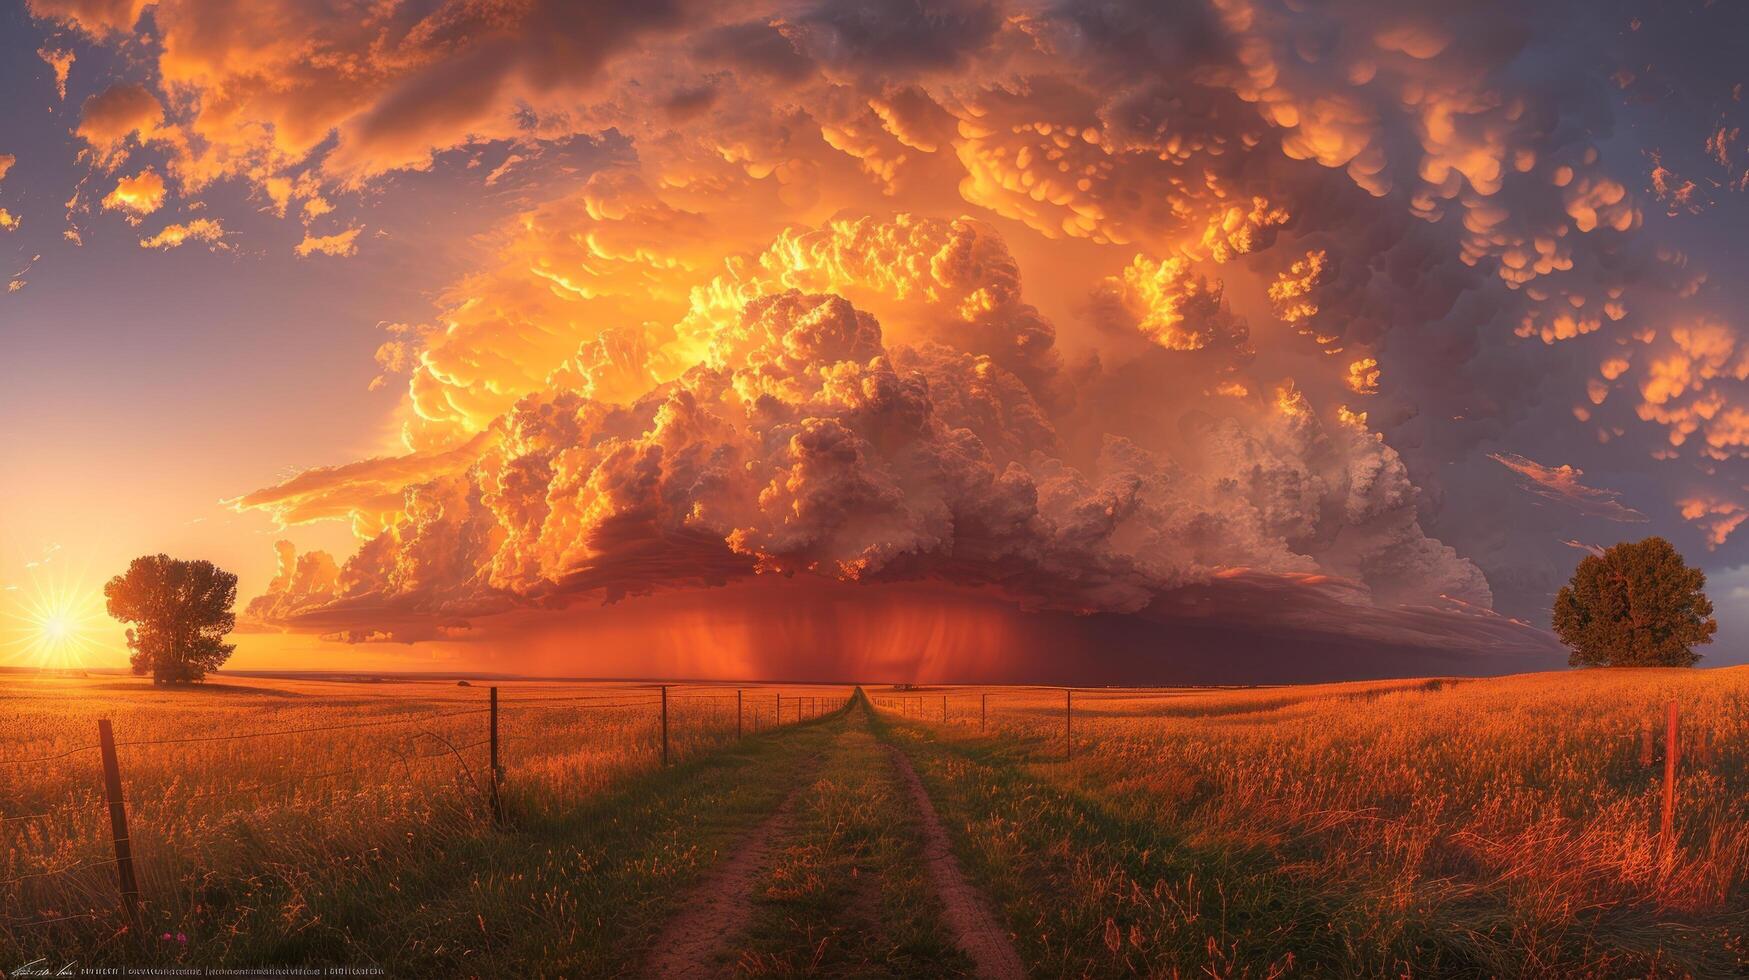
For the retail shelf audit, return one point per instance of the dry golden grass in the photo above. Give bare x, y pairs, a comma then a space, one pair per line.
1478, 827
361, 775
1526, 797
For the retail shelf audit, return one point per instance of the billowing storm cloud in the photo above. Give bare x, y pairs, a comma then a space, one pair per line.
1100, 308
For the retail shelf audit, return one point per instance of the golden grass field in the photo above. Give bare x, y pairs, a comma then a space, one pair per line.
1517, 808
370, 774
1505, 825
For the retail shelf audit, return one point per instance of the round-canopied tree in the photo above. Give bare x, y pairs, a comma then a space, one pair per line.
1636, 605
180, 611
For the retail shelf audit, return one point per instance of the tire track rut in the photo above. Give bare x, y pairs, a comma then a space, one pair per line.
721, 907
969, 918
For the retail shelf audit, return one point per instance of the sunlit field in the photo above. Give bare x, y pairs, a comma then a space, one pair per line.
1501, 827
1504, 827
248, 797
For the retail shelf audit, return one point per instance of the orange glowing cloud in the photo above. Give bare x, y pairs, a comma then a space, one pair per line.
340, 244
1173, 306
137, 196
92, 16
779, 324
369, 493
7, 221
1363, 376
1561, 484
1718, 519
61, 63
110, 118
206, 230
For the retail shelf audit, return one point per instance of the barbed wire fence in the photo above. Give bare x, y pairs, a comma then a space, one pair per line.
754, 711
1696, 747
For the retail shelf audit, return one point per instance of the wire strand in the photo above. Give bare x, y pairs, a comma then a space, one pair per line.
300, 731
52, 872
55, 812
47, 758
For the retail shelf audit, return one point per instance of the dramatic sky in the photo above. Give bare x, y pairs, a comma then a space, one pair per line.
936, 338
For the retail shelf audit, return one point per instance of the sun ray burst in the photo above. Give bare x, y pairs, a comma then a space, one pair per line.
53, 622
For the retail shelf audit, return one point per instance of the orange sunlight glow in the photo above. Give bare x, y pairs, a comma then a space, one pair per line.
54, 625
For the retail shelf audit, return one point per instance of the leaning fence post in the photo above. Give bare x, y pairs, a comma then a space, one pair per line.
1069, 723
664, 724
1672, 753
118, 828
497, 771
737, 713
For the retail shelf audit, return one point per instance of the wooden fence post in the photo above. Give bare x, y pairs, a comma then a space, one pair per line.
497, 771
944, 709
664, 724
118, 829
737, 713
779, 722
983, 710
1672, 753
1069, 723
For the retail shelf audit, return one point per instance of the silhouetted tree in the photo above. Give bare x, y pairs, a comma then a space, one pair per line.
181, 611
1636, 605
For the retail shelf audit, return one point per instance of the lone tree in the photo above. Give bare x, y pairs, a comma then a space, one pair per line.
181, 611
1636, 605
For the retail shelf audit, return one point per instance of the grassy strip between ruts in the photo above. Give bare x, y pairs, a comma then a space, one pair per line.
849, 895
1097, 886
579, 893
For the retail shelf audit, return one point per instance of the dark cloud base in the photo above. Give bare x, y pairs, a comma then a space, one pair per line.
809, 629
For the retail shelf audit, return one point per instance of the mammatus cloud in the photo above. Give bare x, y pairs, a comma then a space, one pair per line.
1718, 518
1284, 264
1561, 484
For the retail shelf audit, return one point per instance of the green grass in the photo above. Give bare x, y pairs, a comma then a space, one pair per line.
1099, 883
849, 894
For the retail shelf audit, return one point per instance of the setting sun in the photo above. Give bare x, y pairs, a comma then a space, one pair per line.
52, 625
